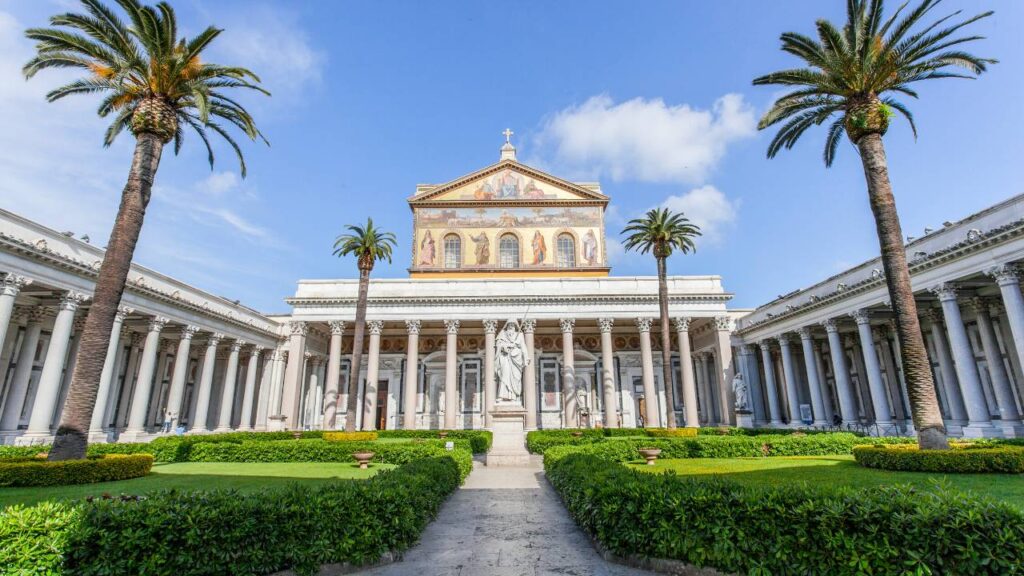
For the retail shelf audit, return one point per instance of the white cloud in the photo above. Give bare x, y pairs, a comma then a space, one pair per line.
614, 250
644, 140
219, 183
706, 207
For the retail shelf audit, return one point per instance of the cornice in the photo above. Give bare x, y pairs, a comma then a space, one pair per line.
976, 241
502, 300
494, 168
39, 252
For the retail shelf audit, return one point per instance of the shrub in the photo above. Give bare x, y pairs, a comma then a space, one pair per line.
480, 440
227, 532
538, 441
349, 436
320, 451
786, 530
672, 432
37, 472
965, 459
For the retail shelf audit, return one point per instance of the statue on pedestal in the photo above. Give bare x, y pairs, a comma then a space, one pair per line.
739, 390
509, 362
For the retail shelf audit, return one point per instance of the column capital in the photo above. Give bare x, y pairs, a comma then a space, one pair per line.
71, 300
36, 314
1005, 274
122, 313
830, 325
783, 339
257, 350
298, 328
214, 339
746, 349
79, 324
945, 291
933, 315
237, 345
157, 323
724, 323
491, 326
605, 324
375, 326
765, 345
529, 325
979, 305
861, 317
644, 324
805, 333
337, 327
452, 326
137, 339
413, 326
567, 324
13, 283
682, 323
996, 308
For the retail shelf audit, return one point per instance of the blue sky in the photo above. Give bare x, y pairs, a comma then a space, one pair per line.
370, 98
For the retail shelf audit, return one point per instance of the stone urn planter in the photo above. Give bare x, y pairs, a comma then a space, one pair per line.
297, 434
577, 434
442, 434
650, 454
363, 458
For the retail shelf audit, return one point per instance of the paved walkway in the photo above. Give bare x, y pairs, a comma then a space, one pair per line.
503, 521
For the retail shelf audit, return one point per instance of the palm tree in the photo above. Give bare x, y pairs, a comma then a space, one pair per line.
852, 74
662, 233
368, 245
154, 85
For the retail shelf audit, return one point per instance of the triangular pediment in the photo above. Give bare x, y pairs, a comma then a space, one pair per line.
508, 181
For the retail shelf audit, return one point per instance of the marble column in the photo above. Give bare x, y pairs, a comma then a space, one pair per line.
23, 370
705, 389
772, 389
723, 365
979, 423
374, 327
748, 368
451, 374
245, 419
530, 376
1007, 276
128, 382
9, 288
1001, 387
490, 392
412, 373
291, 398
844, 388
813, 378
826, 391
611, 413
315, 396
653, 415
876, 385
144, 381
892, 379
97, 425
331, 392
568, 374
789, 374
156, 395
227, 398
205, 384
181, 361
686, 377
48, 389
950, 386
270, 364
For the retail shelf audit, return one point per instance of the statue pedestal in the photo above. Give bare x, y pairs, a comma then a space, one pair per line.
744, 419
509, 429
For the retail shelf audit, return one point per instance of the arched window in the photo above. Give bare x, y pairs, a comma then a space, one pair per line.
565, 247
452, 251
508, 251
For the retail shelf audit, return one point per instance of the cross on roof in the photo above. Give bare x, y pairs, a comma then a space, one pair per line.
508, 135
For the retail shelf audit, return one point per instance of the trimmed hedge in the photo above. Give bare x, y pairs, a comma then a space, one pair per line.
349, 436
479, 440
786, 530
965, 459
672, 432
227, 532
625, 449
320, 451
32, 471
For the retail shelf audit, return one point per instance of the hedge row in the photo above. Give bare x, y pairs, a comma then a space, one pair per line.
625, 449
38, 472
1000, 459
786, 530
480, 440
227, 532
538, 441
320, 451
349, 436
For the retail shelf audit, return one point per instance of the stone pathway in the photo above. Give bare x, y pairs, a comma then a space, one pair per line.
503, 521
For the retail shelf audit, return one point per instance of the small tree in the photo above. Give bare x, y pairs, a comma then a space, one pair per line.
368, 245
661, 232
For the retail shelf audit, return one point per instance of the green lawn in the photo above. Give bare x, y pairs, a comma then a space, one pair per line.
201, 475
835, 471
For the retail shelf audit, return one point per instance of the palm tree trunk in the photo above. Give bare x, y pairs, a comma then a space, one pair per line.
357, 353
666, 345
931, 430
72, 439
